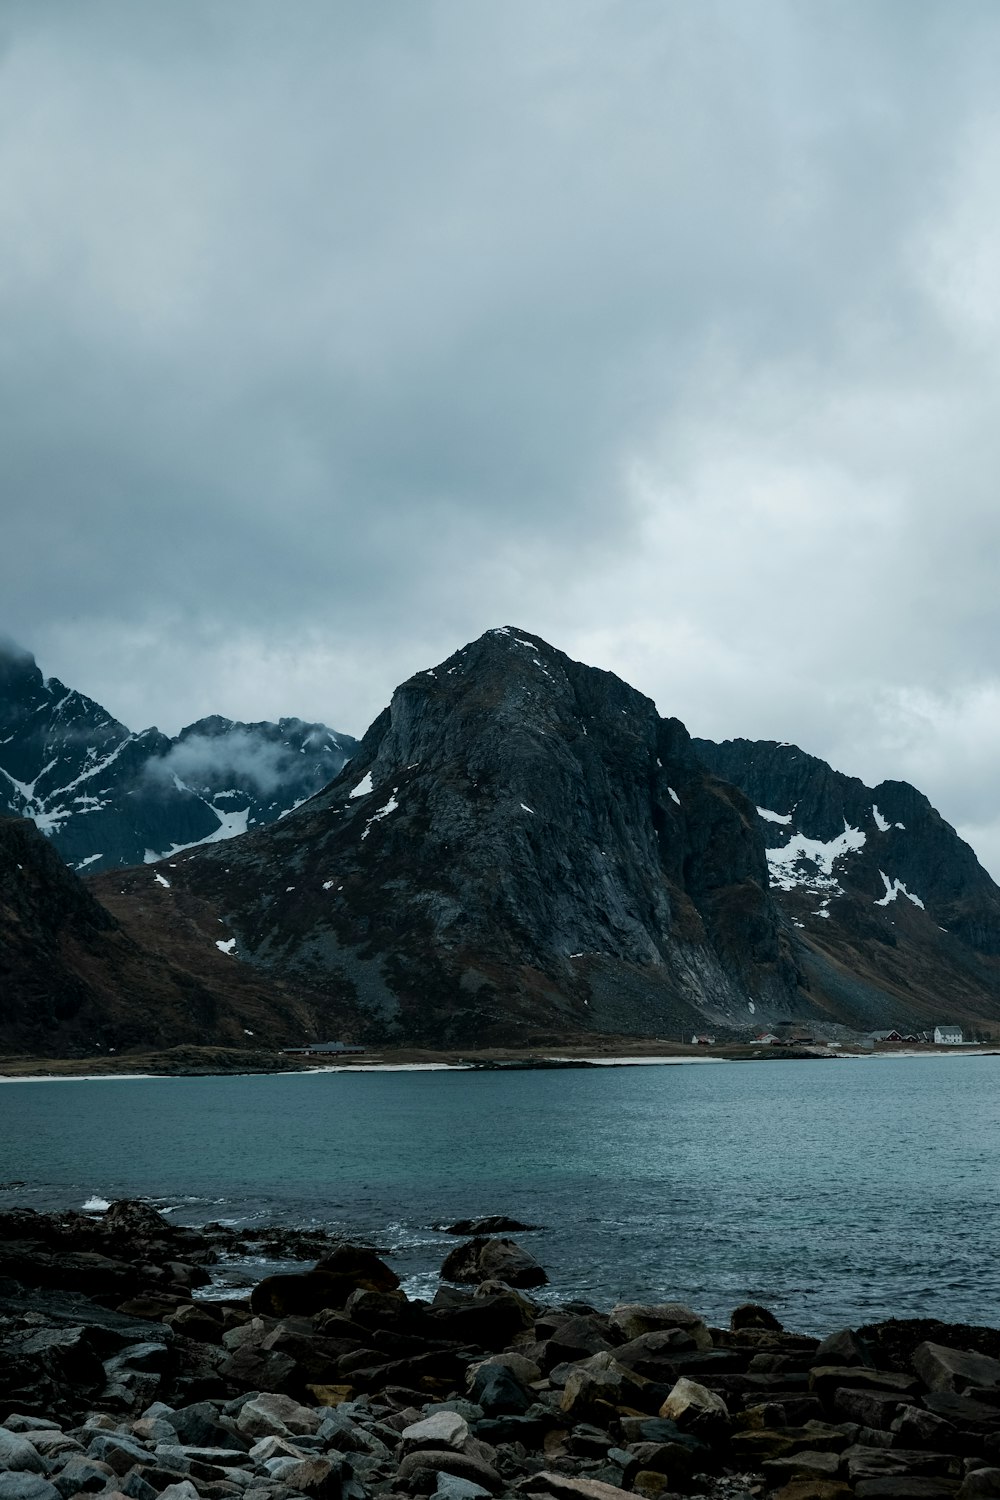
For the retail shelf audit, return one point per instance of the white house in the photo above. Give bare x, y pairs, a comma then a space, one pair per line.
948, 1036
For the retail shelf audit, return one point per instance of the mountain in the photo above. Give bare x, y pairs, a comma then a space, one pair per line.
898, 921
73, 981
107, 797
519, 846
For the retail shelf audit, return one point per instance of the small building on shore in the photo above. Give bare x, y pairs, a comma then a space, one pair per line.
948, 1035
323, 1049
887, 1036
701, 1040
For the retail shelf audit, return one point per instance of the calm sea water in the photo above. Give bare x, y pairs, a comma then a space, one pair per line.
834, 1192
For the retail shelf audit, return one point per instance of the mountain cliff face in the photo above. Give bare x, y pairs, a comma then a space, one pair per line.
900, 924
107, 797
74, 982
518, 845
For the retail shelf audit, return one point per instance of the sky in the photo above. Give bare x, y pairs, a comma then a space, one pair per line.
334, 334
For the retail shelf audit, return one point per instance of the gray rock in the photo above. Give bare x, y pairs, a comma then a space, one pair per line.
273, 1447
844, 1347
450, 1487
117, 1450
270, 1415
20, 1485
470, 1410
943, 1369
184, 1490
493, 1260
445, 1429
52, 1444
82, 1475
17, 1422
981, 1484
18, 1456
462, 1465
632, 1319
497, 1390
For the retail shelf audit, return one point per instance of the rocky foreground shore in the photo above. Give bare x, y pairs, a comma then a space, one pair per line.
332, 1384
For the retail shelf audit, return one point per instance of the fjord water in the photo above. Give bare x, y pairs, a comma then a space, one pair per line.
834, 1192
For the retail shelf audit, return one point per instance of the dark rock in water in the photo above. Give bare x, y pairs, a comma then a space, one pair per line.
752, 1315
491, 1224
363, 1265
493, 1260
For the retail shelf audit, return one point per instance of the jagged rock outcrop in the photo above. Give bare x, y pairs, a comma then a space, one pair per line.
107, 797
520, 844
900, 923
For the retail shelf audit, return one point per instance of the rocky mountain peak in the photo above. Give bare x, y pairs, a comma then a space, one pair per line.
518, 839
107, 797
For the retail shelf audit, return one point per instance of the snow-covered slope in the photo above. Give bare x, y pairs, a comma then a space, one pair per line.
107, 797
873, 880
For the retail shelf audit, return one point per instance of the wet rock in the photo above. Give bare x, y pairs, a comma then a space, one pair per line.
491, 1224
362, 1265
117, 1450
493, 1259
913, 1427
752, 1315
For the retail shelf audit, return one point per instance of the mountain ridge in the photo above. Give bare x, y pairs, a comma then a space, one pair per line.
108, 797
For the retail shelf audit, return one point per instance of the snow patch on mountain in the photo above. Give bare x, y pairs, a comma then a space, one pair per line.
808, 864
894, 888
773, 817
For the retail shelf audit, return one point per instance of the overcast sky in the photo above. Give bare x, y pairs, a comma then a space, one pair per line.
333, 334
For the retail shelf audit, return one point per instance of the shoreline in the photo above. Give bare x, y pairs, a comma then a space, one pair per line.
510, 1062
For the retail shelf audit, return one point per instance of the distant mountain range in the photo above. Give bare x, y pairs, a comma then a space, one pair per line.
107, 797
521, 850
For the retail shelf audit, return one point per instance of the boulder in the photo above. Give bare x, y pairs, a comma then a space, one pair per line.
497, 1390
981, 1484
845, 1347
752, 1315
572, 1487
362, 1266
696, 1409
632, 1319
200, 1425
443, 1429
18, 1455
490, 1224
443, 1460
450, 1487
493, 1259
270, 1415
19, 1485
955, 1370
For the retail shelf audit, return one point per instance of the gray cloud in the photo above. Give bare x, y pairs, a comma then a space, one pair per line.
335, 336
238, 758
